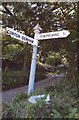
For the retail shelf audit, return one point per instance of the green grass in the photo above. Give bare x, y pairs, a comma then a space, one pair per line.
63, 104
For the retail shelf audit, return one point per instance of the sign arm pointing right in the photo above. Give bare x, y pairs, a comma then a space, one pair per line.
56, 34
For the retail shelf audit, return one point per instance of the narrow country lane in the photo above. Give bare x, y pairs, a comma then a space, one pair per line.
7, 96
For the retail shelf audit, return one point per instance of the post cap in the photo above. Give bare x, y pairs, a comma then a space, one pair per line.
37, 27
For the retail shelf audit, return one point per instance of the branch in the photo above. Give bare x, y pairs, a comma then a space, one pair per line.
8, 11
64, 15
14, 17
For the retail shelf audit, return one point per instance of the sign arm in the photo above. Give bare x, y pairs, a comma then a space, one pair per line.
19, 36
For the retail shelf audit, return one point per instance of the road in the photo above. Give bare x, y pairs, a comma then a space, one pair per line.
8, 96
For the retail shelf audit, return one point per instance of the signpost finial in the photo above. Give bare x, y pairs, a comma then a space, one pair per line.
37, 28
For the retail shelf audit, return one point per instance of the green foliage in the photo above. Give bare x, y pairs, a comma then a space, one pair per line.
11, 79
62, 104
11, 50
7, 111
72, 113
38, 110
30, 110
15, 109
55, 114
24, 19
50, 60
53, 60
20, 96
51, 17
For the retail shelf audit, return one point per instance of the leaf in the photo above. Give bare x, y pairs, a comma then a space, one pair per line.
72, 113
56, 114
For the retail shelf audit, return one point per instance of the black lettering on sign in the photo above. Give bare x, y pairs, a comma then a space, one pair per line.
8, 32
26, 39
23, 38
13, 33
49, 35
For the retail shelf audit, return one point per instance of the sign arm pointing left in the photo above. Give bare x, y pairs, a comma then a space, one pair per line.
19, 36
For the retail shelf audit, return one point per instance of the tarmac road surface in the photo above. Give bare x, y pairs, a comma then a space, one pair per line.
7, 96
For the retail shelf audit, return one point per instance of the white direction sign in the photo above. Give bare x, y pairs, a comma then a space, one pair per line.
33, 99
56, 34
20, 36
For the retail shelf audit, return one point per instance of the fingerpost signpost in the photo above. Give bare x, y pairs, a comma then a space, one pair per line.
34, 42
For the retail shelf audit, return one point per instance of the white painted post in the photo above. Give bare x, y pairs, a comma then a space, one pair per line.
37, 29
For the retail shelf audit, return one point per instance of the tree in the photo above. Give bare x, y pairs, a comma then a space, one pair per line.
51, 17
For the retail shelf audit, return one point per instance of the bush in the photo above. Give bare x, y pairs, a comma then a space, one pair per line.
13, 79
62, 104
7, 111
54, 61
50, 60
20, 96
